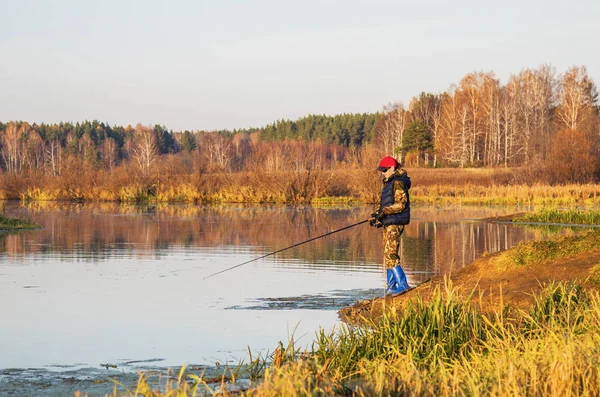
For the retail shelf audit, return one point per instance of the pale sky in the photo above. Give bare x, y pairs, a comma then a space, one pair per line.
231, 64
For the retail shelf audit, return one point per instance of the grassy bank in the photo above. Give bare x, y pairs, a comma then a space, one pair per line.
444, 346
537, 252
552, 215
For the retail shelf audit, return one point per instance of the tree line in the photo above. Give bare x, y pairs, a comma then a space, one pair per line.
25, 146
538, 120
546, 122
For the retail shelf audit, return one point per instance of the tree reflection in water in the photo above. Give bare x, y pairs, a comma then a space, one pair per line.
437, 240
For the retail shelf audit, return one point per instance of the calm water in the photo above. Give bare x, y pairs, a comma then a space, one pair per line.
125, 285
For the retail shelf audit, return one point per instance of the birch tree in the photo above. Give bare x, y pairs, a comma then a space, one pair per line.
508, 120
144, 146
535, 101
12, 146
390, 128
216, 149
578, 97
34, 150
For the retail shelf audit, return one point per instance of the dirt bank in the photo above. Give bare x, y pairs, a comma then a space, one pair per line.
497, 280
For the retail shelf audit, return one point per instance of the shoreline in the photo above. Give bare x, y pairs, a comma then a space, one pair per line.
502, 278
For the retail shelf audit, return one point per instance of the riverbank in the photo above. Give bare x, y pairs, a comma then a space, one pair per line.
510, 278
443, 345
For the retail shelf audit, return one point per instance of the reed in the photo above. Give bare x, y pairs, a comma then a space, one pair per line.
176, 184
425, 331
512, 194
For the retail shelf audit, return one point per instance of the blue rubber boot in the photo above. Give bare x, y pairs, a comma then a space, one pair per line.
396, 280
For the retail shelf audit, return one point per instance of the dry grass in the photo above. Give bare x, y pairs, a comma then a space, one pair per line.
359, 185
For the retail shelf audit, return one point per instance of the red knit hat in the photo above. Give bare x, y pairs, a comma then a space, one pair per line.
386, 163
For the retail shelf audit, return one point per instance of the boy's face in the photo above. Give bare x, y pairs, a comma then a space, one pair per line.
388, 173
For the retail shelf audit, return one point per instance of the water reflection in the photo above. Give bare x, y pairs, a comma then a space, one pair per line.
437, 240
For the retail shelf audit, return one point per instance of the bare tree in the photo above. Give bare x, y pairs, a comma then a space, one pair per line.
145, 146
473, 136
53, 153
535, 101
577, 100
216, 149
508, 119
452, 142
390, 128
12, 146
490, 103
34, 150
110, 153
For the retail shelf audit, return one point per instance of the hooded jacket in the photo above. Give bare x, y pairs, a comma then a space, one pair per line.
395, 216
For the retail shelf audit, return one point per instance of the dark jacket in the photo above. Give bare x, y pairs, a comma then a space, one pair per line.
387, 199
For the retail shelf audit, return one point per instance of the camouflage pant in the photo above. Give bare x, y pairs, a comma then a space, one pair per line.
391, 244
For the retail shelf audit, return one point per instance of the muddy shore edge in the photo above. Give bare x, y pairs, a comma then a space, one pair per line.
492, 281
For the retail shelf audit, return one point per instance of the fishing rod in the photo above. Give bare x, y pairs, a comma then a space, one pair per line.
287, 248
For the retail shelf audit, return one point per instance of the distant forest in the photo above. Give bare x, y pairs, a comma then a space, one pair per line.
42, 146
547, 122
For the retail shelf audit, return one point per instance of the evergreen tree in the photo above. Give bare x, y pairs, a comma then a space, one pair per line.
164, 138
417, 138
188, 141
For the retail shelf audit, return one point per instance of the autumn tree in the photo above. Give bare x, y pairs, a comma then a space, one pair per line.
491, 120
144, 146
241, 147
470, 93
535, 89
577, 103
110, 153
216, 149
12, 146
34, 150
451, 141
390, 128
55, 141
508, 121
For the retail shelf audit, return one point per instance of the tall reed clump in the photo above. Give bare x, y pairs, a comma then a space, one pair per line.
446, 347
424, 331
443, 346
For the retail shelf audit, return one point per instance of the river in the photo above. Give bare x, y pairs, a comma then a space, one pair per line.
124, 286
